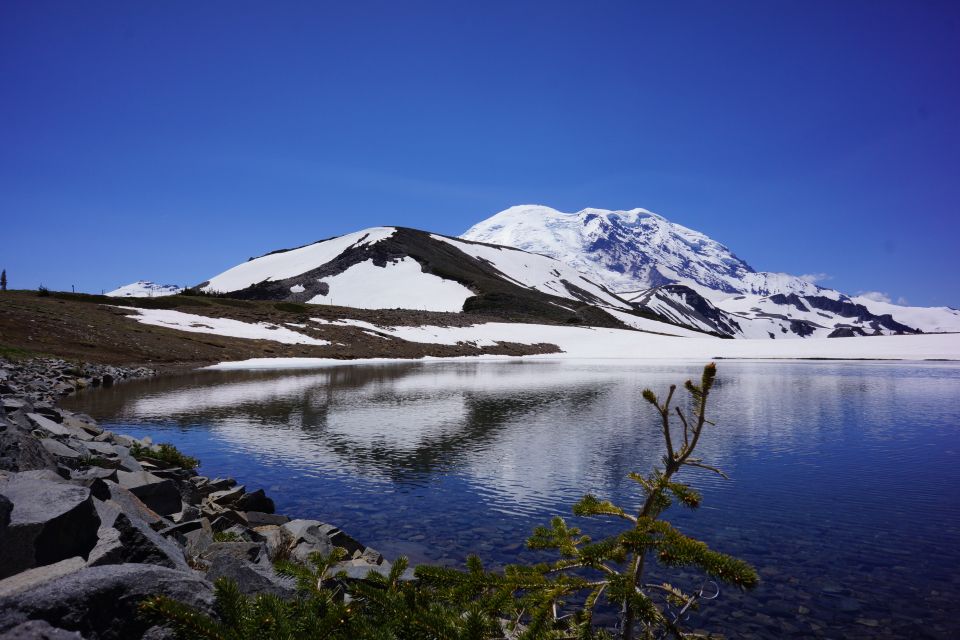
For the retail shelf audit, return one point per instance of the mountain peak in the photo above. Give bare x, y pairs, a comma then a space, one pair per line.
627, 250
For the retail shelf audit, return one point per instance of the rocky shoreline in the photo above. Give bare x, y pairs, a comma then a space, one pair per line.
93, 522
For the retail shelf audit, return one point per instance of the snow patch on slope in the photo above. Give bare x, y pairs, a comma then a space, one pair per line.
930, 319
287, 264
536, 271
144, 289
645, 324
401, 284
583, 342
220, 326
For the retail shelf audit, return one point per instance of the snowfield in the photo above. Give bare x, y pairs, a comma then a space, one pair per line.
287, 264
401, 284
597, 343
931, 319
634, 250
220, 326
144, 289
575, 342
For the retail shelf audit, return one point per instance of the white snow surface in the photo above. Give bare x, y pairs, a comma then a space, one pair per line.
144, 289
930, 319
287, 264
220, 326
631, 250
645, 324
536, 271
400, 284
581, 342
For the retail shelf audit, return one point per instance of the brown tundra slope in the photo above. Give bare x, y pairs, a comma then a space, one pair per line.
94, 329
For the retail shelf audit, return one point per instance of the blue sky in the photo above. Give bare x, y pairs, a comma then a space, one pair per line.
171, 140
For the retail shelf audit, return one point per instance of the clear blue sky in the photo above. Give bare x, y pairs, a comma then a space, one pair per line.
171, 140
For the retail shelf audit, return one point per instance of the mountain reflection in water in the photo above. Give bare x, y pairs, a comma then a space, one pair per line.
842, 490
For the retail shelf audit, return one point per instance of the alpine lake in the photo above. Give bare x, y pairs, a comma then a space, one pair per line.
842, 491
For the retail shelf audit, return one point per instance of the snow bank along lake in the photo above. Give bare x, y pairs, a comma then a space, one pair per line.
843, 489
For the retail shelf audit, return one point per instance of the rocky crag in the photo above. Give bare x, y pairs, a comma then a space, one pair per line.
93, 522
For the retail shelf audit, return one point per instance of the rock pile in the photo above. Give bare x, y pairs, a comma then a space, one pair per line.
91, 523
45, 380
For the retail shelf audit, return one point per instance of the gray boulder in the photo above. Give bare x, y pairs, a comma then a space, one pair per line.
93, 473
102, 602
59, 449
38, 575
256, 501
126, 460
309, 536
11, 404
226, 497
102, 448
131, 504
85, 423
128, 540
250, 551
49, 426
20, 451
160, 495
39, 630
252, 579
6, 508
260, 519
49, 522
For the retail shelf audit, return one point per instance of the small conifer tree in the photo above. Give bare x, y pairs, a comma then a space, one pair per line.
613, 569
3, 280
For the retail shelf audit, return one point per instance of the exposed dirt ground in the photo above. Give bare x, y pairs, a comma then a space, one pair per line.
93, 329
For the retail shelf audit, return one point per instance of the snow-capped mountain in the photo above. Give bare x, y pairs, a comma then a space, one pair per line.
144, 289
686, 277
630, 251
397, 267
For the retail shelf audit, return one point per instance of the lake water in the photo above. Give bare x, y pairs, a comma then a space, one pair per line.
843, 476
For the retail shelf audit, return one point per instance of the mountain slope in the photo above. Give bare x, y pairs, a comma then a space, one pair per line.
685, 276
144, 289
397, 267
630, 250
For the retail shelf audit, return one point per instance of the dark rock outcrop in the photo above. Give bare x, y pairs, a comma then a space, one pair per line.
255, 501
87, 531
